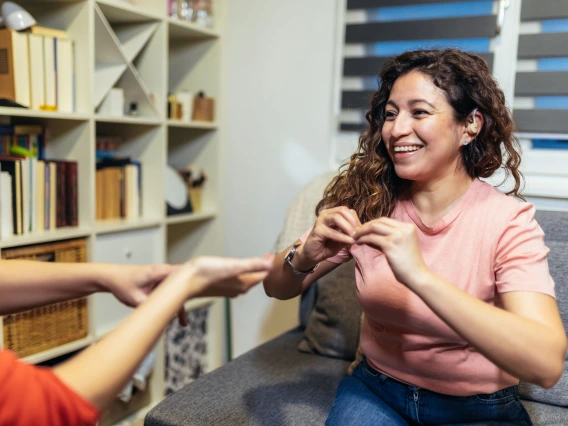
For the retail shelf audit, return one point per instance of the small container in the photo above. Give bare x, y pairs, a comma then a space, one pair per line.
195, 195
203, 108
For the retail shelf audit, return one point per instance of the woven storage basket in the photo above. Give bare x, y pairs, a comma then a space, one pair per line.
36, 330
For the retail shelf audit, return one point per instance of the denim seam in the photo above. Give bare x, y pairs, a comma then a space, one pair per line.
505, 400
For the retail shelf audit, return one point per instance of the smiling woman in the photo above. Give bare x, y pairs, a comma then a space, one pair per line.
451, 274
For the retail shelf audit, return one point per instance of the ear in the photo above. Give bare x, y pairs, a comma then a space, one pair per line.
473, 125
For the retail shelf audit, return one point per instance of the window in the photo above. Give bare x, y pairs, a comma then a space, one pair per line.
525, 43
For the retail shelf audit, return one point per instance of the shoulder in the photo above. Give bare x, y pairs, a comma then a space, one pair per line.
501, 208
507, 215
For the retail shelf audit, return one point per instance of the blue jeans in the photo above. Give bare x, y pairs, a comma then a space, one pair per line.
368, 397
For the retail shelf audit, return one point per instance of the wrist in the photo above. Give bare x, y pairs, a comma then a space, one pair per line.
301, 261
102, 277
188, 279
422, 280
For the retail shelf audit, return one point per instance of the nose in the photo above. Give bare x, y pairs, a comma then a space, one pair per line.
401, 126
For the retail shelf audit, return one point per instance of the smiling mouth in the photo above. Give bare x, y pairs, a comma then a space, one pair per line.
410, 148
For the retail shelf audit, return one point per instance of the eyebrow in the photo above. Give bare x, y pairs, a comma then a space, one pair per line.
411, 102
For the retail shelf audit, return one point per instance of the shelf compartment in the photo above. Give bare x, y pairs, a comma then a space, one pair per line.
144, 144
134, 87
74, 18
106, 76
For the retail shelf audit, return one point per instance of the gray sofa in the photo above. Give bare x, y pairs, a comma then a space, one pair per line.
292, 379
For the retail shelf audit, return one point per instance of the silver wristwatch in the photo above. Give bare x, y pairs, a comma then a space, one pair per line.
288, 262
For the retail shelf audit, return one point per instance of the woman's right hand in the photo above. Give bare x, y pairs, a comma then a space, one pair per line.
333, 231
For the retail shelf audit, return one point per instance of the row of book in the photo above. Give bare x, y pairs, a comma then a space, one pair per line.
40, 74
118, 189
36, 195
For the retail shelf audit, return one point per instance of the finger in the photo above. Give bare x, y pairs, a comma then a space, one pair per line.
389, 222
182, 318
373, 227
249, 265
351, 216
373, 240
334, 235
338, 221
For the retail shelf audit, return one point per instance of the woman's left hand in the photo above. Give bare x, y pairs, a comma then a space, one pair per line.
399, 242
131, 284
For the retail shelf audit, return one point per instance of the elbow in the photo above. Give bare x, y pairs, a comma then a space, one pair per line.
555, 370
551, 378
267, 289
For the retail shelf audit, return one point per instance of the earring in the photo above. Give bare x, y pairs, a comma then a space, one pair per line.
464, 142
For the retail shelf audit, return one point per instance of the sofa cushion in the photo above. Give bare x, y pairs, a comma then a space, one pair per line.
272, 385
333, 327
546, 415
299, 218
554, 225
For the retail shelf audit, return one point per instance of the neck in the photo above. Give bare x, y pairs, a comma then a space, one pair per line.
432, 199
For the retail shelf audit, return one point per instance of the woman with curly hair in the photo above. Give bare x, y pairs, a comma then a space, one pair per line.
451, 274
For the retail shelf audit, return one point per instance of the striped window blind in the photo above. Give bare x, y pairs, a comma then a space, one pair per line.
378, 29
541, 84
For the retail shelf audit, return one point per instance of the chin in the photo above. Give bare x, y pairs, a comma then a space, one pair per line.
408, 173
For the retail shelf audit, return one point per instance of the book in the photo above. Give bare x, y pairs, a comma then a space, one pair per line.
64, 75
6, 206
49, 58
37, 71
15, 72
49, 32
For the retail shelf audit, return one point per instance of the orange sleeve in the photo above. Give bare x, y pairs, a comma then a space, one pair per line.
31, 395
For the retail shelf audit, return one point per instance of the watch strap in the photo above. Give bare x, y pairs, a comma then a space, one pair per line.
288, 262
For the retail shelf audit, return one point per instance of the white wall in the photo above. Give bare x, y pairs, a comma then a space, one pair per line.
278, 94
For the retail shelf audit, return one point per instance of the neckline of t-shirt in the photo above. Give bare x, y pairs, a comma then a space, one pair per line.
449, 217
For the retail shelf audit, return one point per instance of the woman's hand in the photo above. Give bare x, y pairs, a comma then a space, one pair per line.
131, 284
333, 230
399, 242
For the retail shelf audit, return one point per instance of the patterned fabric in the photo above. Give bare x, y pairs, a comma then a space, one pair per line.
186, 350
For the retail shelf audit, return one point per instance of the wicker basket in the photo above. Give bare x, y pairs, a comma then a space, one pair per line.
36, 330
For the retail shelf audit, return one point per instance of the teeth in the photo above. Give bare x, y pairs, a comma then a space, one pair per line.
406, 148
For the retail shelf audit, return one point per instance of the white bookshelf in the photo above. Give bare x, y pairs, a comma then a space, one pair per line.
137, 47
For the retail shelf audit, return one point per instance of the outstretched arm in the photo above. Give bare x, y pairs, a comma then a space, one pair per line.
99, 372
26, 284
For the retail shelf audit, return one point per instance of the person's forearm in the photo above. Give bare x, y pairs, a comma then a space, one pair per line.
282, 283
100, 371
27, 284
524, 348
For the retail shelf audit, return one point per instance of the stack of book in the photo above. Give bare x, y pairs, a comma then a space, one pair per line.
39, 72
36, 194
118, 189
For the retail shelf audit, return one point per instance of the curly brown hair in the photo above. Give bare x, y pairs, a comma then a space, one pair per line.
367, 182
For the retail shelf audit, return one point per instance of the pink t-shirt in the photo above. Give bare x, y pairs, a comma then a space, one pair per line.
489, 243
